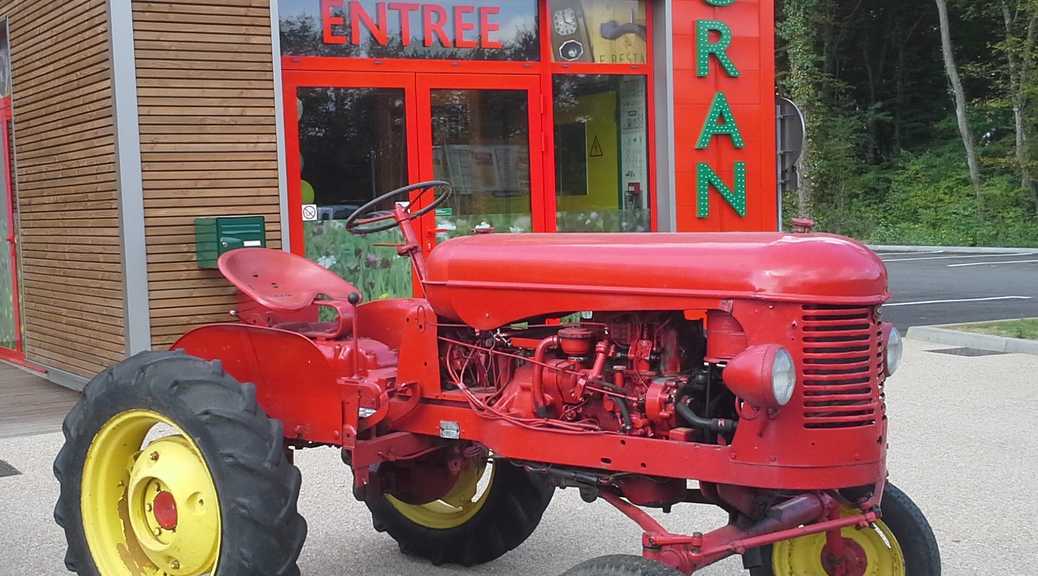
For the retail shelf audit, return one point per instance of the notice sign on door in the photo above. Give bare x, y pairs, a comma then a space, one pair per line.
449, 29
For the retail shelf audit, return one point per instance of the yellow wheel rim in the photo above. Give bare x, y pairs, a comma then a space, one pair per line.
803, 556
460, 505
149, 509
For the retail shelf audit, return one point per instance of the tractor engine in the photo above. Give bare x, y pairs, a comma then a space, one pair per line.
640, 374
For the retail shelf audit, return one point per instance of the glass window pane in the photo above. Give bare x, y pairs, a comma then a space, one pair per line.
481, 145
448, 29
601, 153
602, 31
353, 147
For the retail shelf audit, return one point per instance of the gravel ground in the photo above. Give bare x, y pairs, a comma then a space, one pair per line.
974, 481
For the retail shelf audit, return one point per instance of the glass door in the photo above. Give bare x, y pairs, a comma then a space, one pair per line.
10, 322
353, 136
351, 140
482, 133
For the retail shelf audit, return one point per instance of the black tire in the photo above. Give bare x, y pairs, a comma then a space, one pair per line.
262, 532
513, 509
620, 565
910, 528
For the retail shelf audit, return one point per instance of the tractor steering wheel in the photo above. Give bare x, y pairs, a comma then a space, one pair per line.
355, 224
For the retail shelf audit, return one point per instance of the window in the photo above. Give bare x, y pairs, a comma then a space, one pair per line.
600, 31
481, 145
352, 144
601, 153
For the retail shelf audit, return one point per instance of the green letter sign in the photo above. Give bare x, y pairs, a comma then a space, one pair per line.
705, 48
706, 177
720, 110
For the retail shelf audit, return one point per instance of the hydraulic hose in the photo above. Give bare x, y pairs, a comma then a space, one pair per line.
717, 425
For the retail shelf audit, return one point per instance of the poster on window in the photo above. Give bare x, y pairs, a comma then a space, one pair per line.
602, 31
634, 161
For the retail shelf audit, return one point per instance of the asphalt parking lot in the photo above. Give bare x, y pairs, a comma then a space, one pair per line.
941, 287
962, 444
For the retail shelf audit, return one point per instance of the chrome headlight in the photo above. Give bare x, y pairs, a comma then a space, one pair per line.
783, 377
895, 350
764, 376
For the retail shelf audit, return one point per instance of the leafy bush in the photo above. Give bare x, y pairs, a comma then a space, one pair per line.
925, 198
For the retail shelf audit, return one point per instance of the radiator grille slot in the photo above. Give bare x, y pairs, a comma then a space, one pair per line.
841, 366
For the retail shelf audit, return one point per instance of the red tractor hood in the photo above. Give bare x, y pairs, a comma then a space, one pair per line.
495, 279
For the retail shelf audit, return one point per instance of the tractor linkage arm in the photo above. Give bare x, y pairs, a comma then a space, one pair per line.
796, 517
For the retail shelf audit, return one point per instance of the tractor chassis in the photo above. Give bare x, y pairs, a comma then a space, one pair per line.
800, 515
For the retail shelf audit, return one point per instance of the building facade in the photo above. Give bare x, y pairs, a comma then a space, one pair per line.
126, 121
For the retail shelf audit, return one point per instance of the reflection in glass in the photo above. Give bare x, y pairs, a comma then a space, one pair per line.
447, 29
353, 147
602, 31
601, 153
481, 145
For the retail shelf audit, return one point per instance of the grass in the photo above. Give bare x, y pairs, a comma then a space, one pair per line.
1026, 328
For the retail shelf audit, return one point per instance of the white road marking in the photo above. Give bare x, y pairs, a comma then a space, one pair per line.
992, 299
961, 257
992, 263
883, 254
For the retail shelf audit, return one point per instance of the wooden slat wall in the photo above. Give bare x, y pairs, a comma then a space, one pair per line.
71, 257
208, 144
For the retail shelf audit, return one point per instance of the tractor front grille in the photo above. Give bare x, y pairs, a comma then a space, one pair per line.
841, 367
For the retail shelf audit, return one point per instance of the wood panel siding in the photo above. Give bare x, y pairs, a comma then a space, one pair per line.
205, 86
65, 173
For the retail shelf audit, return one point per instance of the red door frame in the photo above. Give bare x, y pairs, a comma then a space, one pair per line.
309, 70
16, 354
483, 82
293, 80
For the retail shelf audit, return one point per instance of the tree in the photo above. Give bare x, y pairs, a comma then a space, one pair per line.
804, 86
1019, 47
952, 69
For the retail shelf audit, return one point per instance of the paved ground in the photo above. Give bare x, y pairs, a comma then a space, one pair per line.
28, 405
963, 445
943, 288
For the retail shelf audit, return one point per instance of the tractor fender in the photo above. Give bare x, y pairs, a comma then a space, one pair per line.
294, 381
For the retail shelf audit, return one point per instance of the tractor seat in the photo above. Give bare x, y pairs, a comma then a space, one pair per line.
284, 282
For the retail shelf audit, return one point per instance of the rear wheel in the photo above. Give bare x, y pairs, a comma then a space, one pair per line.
620, 565
900, 544
170, 467
490, 509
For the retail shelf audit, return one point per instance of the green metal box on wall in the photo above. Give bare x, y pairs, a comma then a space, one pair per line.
217, 236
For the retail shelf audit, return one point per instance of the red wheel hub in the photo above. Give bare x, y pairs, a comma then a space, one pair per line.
164, 507
850, 561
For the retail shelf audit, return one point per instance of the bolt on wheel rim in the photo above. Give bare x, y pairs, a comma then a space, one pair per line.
808, 555
151, 509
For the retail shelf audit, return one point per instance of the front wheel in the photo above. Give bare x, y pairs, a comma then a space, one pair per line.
901, 544
170, 467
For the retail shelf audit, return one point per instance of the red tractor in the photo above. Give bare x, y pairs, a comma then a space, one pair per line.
621, 366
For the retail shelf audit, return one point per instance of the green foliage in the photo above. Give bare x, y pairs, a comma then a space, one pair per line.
885, 160
924, 198
376, 271
1026, 328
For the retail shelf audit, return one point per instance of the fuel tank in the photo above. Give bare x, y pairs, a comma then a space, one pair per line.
491, 280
